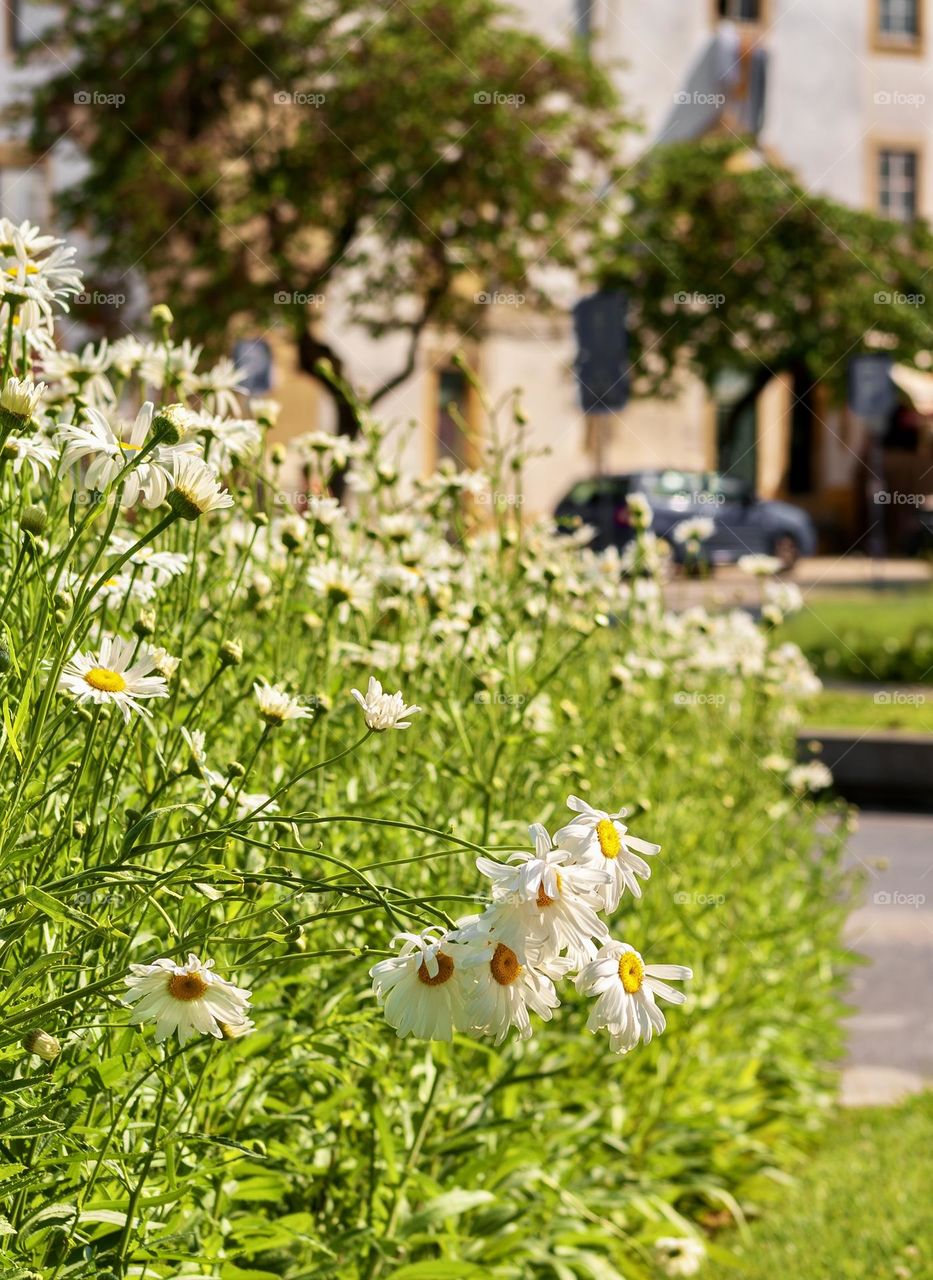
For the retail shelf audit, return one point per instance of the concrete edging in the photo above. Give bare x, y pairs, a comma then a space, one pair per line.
885, 768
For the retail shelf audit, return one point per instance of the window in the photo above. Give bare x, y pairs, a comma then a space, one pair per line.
452, 412
898, 22
741, 10
897, 184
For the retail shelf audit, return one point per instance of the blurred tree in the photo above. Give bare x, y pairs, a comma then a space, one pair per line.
733, 267
269, 152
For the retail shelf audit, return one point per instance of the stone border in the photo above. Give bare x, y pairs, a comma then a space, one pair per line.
886, 769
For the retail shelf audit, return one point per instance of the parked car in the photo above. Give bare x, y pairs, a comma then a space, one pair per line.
744, 523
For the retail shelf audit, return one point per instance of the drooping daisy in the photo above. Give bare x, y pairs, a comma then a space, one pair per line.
627, 991
220, 385
552, 900
231, 440
422, 988
111, 447
36, 268
81, 373
383, 711
276, 706
508, 979
598, 839
680, 1255
32, 452
341, 584
117, 674
188, 998
196, 489
695, 529
162, 566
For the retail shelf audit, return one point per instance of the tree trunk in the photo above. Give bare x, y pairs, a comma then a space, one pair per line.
310, 351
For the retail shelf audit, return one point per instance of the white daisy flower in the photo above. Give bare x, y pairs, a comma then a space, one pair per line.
507, 978
760, 566
195, 741
384, 710
111, 447
696, 529
196, 489
343, 585
32, 452
189, 999
117, 674
552, 900
232, 440
220, 385
20, 398
327, 512
36, 268
276, 706
422, 988
162, 566
814, 776
81, 374
249, 801
627, 991
639, 510
680, 1255
599, 839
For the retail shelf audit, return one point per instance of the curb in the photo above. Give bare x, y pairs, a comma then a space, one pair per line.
885, 769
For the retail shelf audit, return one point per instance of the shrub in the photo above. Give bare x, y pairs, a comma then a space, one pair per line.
186, 772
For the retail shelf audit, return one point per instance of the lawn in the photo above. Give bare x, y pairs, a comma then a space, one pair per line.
910, 710
861, 1210
868, 635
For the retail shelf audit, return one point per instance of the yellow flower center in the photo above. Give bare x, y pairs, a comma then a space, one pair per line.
504, 965
542, 899
106, 681
128, 448
631, 972
610, 842
31, 270
186, 986
445, 970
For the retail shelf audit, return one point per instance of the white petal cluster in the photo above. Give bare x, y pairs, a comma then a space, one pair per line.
188, 999
493, 971
383, 711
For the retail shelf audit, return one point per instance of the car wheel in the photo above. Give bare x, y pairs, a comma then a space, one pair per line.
787, 549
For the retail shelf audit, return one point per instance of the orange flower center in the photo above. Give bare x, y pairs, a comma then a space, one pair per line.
106, 681
542, 899
445, 969
504, 965
186, 986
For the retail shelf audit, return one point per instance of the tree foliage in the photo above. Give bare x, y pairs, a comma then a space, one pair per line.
268, 154
732, 265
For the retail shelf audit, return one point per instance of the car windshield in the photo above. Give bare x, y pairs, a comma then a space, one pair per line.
671, 484
588, 491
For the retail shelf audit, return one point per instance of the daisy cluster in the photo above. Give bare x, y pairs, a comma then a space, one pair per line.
544, 923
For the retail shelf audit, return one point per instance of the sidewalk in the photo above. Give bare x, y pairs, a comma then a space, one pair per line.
891, 1032
730, 587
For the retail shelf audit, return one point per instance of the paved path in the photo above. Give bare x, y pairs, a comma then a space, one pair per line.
730, 587
891, 1032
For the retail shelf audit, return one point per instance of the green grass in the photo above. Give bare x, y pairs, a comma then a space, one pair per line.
851, 709
862, 1209
868, 635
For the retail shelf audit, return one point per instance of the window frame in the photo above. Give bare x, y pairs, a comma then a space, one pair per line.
439, 364
883, 42
904, 146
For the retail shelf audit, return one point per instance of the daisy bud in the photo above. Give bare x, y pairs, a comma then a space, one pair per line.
235, 770
19, 400
230, 653
278, 454
63, 600
145, 624
260, 519
42, 1045
171, 423
161, 319
33, 520
78, 829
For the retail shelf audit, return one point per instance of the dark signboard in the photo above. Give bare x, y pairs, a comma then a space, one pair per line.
602, 351
253, 358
